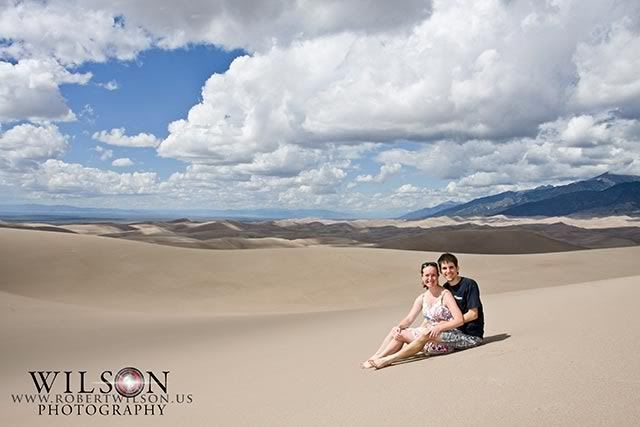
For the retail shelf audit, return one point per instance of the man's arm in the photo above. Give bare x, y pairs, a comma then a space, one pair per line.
473, 303
470, 315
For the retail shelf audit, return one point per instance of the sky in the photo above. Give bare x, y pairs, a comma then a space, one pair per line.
361, 106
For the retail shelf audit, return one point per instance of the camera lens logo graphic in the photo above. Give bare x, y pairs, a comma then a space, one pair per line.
129, 382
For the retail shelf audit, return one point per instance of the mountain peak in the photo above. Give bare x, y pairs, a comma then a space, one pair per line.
613, 179
504, 202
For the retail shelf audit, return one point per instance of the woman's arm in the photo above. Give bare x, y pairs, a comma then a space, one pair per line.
457, 321
416, 308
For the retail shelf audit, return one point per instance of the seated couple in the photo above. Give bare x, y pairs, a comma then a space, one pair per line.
453, 317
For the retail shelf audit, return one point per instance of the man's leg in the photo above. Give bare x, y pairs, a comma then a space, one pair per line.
457, 340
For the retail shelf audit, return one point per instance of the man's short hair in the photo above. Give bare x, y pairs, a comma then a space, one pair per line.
447, 257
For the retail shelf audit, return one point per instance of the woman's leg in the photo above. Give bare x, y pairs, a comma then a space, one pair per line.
414, 347
391, 344
385, 342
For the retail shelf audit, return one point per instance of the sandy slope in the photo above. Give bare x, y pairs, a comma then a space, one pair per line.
133, 276
491, 235
496, 220
563, 340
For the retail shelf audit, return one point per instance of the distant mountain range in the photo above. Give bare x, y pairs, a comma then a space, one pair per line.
618, 200
606, 194
428, 212
66, 214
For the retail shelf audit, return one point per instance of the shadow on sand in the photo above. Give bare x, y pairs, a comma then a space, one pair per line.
421, 356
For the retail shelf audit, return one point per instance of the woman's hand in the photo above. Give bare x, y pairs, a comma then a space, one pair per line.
397, 331
434, 331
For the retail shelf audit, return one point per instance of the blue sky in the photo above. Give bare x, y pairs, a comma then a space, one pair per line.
343, 106
156, 88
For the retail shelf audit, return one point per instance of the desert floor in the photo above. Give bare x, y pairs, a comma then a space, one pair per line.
275, 336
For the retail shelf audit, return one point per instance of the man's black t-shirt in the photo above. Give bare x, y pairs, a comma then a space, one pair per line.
467, 295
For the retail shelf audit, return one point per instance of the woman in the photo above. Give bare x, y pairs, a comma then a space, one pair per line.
440, 311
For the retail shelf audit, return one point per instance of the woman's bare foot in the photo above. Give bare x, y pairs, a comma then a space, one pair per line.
366, 364
379, 363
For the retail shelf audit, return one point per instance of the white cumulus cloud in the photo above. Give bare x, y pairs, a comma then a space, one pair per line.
257, 26
609, 68
70, 32
487, 95
566, 149
118, 137
386, 171
111, 85
105, 154
481, 70
75, 180
122, 162
29, 89
23, 147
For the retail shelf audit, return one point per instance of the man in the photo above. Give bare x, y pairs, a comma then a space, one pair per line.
467, 296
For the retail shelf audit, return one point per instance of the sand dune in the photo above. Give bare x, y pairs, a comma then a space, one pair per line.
492, 241
275, 336
117, 274
496, 220
493, 235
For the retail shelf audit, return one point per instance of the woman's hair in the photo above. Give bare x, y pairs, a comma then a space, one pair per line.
429, 264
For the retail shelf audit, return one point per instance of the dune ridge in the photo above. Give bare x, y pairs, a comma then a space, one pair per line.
109, 272
490, 235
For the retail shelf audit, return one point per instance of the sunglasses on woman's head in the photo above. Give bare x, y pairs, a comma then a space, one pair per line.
429, 264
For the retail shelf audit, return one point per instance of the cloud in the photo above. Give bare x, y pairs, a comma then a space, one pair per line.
565, 149
487, 95
59, 35
96, 30
42, 43
118, 137
608, 69
316, 187
223, 185
286, 160
583, 131
407, 189
24, 146
45, 40
55, 177
489, 70
30, 160
111, 85
408, 196
87, 114
256, 26
122, 162
29, 89
386, 171
73, 33
104, 153
394, 203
